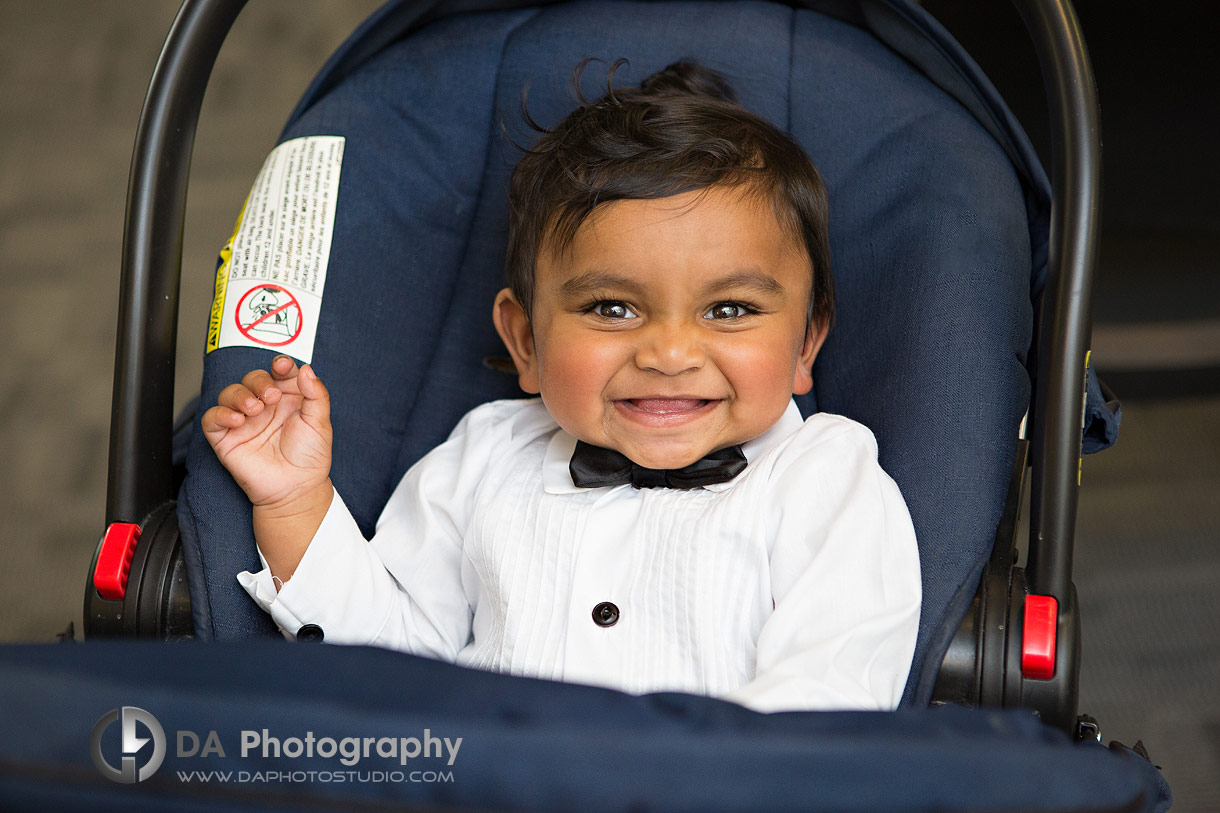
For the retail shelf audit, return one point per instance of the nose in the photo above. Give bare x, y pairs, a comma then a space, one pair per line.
669, 348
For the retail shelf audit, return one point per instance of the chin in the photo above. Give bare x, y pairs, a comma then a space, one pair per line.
657, 459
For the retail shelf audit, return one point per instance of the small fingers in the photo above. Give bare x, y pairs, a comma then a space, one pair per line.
317, 397
260, 384
221, 419
239, 398
283, 367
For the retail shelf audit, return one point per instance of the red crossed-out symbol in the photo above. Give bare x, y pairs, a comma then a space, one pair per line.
272, 315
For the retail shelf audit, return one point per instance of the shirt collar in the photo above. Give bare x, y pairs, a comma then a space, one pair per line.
556, 479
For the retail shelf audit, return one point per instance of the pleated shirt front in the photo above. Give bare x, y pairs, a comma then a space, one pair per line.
793, 586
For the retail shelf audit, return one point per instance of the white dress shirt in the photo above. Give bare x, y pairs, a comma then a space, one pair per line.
793, 586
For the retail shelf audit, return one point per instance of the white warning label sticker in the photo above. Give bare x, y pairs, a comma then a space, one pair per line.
272, 271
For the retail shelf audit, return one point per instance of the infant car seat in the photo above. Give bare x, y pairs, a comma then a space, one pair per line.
955, 291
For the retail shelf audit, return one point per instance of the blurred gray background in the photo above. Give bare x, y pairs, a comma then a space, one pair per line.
72, 79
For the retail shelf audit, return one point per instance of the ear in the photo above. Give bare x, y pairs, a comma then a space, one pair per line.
815, 336
514, 328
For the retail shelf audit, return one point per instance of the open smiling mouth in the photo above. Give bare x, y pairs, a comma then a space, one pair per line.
653, 411
666, 406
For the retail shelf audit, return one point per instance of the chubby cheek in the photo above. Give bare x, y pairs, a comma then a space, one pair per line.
761, 377
572, 378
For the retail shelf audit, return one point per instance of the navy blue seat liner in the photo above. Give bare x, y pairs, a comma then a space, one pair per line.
937, 241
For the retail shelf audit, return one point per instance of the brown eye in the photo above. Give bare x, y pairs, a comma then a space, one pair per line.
727, 310
613, 310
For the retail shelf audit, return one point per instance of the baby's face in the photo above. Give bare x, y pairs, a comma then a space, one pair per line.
672, 327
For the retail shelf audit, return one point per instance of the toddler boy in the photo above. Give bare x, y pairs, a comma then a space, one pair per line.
660, 518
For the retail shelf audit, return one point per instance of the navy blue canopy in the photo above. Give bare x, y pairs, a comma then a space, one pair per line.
938, 229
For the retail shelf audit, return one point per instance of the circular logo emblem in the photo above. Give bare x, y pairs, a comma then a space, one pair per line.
133, 743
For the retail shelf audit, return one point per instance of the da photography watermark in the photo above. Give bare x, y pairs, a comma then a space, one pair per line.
268, 756
132, 744
349, 750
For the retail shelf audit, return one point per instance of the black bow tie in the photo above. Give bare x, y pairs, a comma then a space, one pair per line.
594, 467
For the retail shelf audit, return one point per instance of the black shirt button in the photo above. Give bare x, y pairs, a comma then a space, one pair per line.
310, 633
605, 614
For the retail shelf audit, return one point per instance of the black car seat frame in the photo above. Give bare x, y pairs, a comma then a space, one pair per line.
136, 581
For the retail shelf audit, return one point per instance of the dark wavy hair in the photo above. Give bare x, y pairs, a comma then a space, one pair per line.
682, 129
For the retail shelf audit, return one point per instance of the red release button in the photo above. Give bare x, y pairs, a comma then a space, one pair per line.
114, 560
1038, 637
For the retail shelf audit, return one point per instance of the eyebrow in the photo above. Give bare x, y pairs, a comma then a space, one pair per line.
749, 279
592, 281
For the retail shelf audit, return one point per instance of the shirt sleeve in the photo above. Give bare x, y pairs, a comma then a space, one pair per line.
402, 589
845, 581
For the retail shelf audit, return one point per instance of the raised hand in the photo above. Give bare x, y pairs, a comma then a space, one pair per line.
272, 432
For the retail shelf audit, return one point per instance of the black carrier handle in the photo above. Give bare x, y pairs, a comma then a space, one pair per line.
1019, 643
140, 476
1063, 330
137, 580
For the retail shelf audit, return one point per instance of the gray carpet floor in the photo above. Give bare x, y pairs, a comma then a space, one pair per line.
72, 78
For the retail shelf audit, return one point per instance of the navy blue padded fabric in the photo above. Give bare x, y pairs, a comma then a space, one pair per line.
931, 250
410, 183
526, 744
929, 234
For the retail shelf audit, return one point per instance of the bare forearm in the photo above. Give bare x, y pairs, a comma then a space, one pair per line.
283, 531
